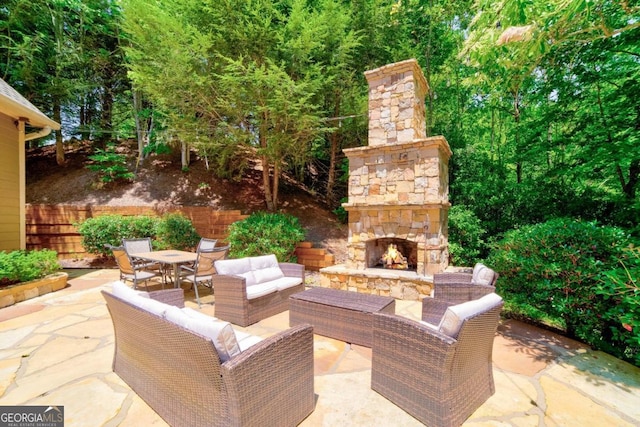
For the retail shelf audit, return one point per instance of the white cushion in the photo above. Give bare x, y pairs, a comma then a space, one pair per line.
265, 268
175, 315
195, 313
236, 267
482, 275
262, 289
246, 340
286, 282
455, 315
122, 291
151, 305
138, 298
430, 325
221, 333
263, 261
267, 274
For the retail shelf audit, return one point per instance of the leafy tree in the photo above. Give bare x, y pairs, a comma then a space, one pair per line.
64, 56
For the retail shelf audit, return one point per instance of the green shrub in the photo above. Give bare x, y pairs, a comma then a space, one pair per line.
341, 212
22, 266
620, 289
465, 236
265, 233
110, 165
111, 229
553, 271
176, 231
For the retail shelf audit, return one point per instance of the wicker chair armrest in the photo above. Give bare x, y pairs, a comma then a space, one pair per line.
291, 269
433, 310
439, 278
169, 296
230, 284
271, 383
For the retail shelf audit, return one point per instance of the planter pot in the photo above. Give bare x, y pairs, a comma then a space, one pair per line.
32, 289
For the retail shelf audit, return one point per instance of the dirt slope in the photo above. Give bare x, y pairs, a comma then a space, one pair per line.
161, 182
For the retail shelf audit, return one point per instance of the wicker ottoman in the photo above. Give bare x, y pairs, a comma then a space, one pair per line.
346, 316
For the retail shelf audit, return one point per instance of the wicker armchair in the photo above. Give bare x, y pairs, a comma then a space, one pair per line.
456, 288
437, 378
179, 374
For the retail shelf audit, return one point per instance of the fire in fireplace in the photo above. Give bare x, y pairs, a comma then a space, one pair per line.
392, 253
394, 259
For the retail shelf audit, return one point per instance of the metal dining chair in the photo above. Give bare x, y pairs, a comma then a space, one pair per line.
203, 270
135, 246
129, 270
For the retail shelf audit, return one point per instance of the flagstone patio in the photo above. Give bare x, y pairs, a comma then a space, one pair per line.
56, 349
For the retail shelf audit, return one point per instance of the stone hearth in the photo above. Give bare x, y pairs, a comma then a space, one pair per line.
398, 191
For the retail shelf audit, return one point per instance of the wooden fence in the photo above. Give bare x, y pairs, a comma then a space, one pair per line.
53, 227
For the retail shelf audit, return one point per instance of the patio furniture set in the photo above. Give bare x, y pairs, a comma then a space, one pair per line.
438, 370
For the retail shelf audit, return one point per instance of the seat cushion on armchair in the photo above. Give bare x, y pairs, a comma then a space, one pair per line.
455, 315
236, 267
482, 275
220, 332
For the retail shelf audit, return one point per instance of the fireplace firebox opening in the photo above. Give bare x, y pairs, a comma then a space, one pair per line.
392, 253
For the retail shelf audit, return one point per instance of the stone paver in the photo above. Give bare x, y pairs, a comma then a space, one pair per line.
57, 349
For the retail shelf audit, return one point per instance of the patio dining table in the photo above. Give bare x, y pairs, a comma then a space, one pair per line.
171, 257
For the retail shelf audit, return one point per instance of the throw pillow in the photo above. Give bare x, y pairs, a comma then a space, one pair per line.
482, 275
455, 315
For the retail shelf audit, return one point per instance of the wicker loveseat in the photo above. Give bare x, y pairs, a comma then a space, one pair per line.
181, 374
440, 374
250, 289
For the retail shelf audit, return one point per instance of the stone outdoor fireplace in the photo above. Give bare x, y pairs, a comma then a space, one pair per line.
398, 193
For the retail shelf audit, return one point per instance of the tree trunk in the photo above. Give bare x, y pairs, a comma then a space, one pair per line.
59, 147
105, 117
333, 149
185, 155
137, 107
331, 179
266, 184
276, 184
516, 118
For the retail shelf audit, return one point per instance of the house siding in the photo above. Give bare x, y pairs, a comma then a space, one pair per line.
10, 207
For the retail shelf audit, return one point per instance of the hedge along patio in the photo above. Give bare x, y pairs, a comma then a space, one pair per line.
52, 227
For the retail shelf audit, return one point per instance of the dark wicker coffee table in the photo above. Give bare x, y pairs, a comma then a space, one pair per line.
346, 316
